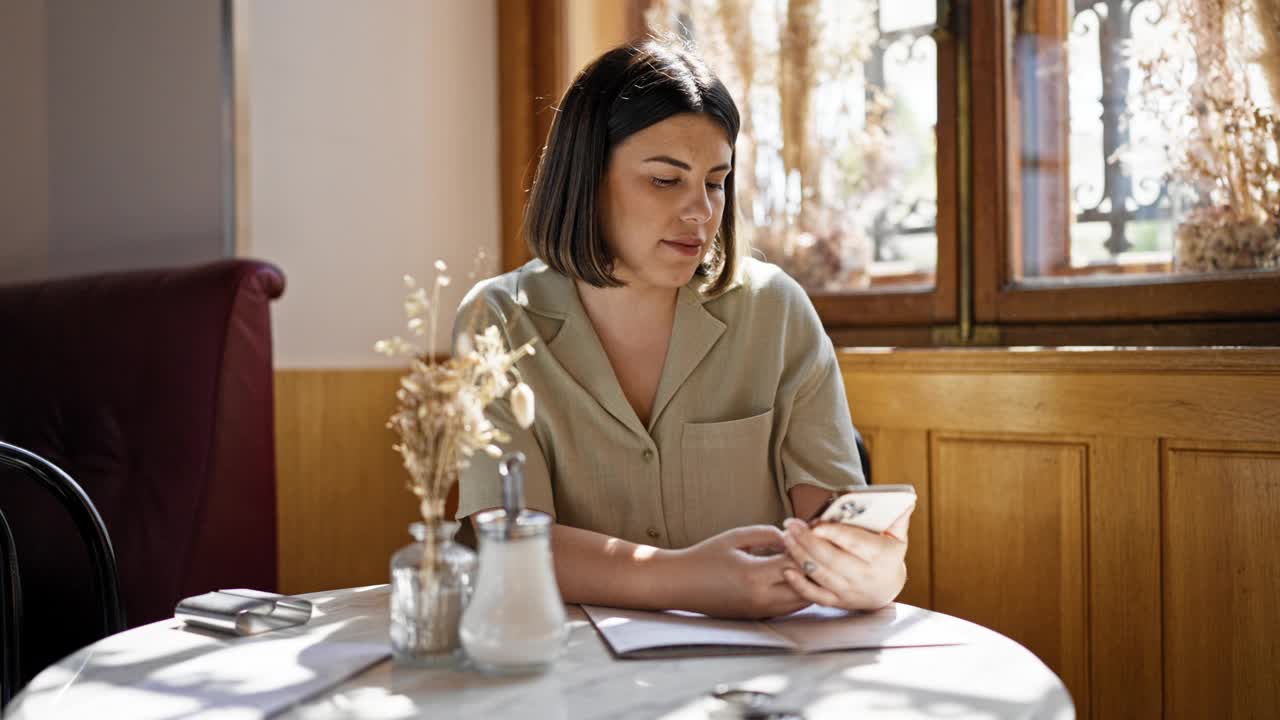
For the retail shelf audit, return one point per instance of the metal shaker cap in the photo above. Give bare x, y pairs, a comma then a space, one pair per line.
513, 521
498, 525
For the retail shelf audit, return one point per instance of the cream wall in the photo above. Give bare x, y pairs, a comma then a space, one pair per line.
372, 136
112, 141
138, 146
24, 142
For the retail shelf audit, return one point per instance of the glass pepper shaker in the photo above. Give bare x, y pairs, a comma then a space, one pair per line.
516, 621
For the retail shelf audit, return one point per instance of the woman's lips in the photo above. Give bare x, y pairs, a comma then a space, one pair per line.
688, 248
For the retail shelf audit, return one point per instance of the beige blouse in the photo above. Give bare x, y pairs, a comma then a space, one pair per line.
750, 403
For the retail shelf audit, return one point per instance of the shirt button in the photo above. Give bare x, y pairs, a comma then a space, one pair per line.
647, 455
653, 533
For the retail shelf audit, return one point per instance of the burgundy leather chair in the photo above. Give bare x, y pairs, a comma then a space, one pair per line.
153, 391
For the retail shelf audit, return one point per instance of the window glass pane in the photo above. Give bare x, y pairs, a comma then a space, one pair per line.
1148, 138
836, 162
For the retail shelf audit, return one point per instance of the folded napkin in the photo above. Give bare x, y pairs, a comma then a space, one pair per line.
242, 611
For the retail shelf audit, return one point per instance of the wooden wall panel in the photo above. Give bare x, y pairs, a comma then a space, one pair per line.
1151, 627
1221, 579
1124, 577
902, 457
342, 504
1009, 532
1129, 403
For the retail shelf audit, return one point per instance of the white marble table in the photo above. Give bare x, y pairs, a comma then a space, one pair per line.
163, 671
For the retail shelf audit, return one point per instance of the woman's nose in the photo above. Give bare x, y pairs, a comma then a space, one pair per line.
698, 207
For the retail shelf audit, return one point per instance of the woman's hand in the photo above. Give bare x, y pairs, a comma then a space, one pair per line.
842, 566
737, 574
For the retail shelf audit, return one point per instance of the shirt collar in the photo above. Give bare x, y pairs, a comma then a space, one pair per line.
543, 291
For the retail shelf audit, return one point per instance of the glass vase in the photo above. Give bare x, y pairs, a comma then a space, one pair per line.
427, 600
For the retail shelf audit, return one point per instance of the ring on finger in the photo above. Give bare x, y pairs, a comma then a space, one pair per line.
809, 567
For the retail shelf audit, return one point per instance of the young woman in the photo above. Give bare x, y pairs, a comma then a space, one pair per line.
688, 398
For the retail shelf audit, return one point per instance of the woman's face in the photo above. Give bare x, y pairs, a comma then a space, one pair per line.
662, 199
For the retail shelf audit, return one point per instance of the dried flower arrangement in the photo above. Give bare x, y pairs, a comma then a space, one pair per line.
440, 421
1226, 141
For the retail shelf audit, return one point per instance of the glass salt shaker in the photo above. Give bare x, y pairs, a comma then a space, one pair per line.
515, 622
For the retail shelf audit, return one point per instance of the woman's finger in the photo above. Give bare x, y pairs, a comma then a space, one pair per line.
756, 536
898, 530
821, 561
810, 591
863, 544
775, 564
819, 550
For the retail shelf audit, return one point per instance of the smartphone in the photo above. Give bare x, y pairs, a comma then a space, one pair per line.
872, 507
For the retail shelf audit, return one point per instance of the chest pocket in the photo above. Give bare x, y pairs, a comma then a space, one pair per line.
727, 477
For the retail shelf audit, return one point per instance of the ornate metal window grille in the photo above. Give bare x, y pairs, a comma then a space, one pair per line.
1123, 197
905, 216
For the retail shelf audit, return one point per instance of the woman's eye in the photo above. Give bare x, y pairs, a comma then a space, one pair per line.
716, 186
665, 182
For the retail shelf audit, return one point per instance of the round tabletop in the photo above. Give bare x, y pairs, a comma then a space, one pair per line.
336, 666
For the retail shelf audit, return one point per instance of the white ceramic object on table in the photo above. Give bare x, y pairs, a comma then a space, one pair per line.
516, 621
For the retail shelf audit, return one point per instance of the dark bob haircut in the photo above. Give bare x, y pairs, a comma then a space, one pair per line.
623, 92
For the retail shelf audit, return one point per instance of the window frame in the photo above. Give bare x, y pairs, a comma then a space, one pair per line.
889, 306
1002, 299
976, 298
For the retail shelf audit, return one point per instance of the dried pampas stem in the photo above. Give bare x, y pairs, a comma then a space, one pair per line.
796, 80
441, 421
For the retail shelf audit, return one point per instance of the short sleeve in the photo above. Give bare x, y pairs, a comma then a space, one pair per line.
480, 485
818, 446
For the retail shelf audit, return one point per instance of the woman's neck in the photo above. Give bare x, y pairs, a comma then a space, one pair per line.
640, 308
634, 327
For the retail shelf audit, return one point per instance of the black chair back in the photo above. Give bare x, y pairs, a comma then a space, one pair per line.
46, 477
10, 615
863, 455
